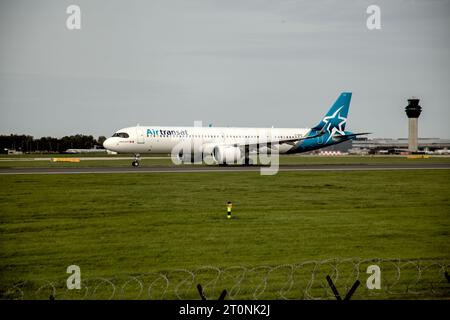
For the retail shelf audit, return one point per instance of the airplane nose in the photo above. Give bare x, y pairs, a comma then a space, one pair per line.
107, 144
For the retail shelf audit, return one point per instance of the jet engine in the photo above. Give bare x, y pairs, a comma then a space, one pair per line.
227, 154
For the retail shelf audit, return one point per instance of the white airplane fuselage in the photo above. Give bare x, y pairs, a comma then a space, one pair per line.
231, 145
143, 139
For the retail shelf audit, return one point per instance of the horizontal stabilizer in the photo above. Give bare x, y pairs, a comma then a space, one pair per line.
349, 136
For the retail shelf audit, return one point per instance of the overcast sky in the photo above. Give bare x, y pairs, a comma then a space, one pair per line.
229, 63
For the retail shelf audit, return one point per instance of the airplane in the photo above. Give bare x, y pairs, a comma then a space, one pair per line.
233, 145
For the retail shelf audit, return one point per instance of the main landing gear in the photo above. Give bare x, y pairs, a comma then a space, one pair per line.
136, 161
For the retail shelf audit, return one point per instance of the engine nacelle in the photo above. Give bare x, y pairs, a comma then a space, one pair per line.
227, 154
189, 157
208, 149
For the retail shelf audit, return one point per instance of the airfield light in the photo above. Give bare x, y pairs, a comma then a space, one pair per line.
229, 206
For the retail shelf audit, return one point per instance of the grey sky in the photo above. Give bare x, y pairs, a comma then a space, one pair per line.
230, 63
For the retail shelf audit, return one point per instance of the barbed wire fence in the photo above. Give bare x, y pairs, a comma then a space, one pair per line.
400, 279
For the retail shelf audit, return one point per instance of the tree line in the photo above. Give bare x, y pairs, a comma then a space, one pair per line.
26, 143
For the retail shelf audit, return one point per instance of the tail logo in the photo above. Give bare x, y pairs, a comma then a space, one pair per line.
335, 123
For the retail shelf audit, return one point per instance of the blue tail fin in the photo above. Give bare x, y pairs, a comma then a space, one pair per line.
337, 113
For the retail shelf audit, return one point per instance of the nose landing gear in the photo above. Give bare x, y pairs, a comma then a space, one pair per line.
136, 161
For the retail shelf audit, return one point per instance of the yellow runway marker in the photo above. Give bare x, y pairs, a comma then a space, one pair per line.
66, 160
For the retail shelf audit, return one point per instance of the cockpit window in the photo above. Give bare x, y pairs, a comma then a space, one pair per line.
121, 135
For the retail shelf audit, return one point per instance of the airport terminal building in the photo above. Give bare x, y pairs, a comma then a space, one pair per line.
389, 146
397, 146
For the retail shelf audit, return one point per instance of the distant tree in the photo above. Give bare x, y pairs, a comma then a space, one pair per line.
16, 142
100, 140
27, 143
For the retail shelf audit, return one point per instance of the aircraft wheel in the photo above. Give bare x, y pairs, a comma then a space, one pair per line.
135, 163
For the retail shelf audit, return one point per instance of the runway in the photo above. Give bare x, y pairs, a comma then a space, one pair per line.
212, 169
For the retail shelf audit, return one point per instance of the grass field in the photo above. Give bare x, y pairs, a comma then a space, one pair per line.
120, 225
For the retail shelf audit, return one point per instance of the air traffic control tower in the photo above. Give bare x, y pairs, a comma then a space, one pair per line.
413, 111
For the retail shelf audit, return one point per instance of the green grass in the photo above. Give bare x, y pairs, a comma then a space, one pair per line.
120, 225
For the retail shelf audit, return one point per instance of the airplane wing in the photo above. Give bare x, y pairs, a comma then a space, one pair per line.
357, 134
292, 141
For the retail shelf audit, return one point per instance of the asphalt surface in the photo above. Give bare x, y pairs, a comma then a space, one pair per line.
47, 159
199, 168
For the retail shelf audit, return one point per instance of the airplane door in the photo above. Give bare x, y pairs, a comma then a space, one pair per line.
140, 134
